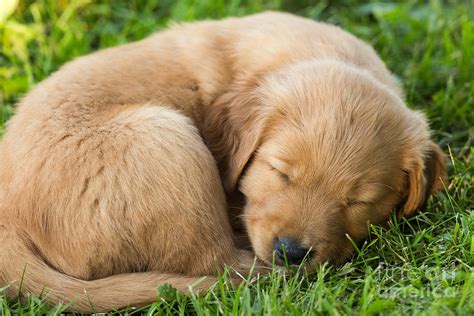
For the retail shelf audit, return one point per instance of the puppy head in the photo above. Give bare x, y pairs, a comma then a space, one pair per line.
332, 150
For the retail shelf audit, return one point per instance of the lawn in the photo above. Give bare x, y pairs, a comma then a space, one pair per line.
423, 265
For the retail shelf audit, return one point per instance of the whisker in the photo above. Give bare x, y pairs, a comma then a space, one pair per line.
241, 216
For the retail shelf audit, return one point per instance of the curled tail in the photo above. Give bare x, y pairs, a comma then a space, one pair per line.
26, 273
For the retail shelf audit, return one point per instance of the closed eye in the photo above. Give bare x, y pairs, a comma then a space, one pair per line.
354, 202
282, 175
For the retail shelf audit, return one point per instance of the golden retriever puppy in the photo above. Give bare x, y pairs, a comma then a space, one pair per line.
114, 170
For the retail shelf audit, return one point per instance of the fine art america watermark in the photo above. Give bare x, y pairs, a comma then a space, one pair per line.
427, 282
417, 293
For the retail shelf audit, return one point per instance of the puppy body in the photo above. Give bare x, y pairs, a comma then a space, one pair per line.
109, 184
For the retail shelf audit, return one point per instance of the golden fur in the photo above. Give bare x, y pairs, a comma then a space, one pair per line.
110, 184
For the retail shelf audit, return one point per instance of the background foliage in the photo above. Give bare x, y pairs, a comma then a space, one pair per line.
422, 265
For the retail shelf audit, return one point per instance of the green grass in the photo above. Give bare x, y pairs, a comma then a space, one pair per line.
423, 265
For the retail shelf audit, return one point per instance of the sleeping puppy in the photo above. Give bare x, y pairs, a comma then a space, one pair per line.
116, 169
336, 150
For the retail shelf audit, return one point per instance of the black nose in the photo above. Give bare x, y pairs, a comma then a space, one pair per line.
291, 249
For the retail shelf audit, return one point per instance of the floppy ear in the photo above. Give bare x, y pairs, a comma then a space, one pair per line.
426, 175
233, 130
